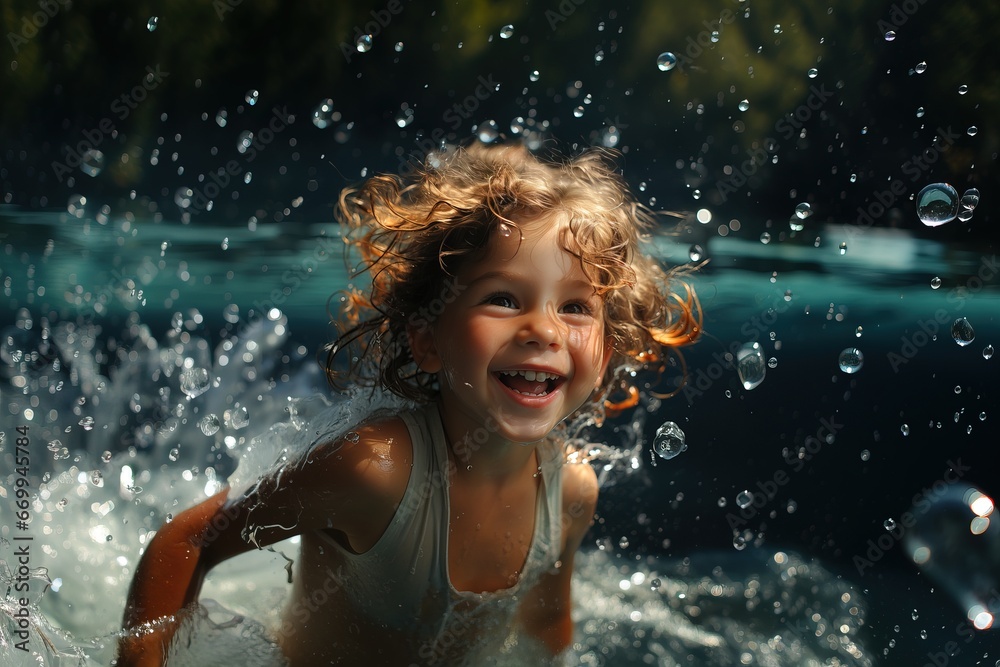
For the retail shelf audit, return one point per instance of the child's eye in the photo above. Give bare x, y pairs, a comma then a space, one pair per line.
502, 300
576, 308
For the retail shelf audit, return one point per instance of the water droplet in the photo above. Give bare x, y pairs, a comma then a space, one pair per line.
323, 115
962, 331
92, 162
655, 584
666, 61
739, 543
889, 524
920, 112
772, 362
152, 23
843, 247
935, 282
210, 424
244, 141
696, 252
488, 131
777, 28
194, 382
937, 204
721, 502
669, 441
744, 499
236, 418
813, 73
905, 429
859, 331
696, 194
865, 455
399, 47
507, 31
890, 35
96, 478
578, 112
970, 198
534, 76
965, 214
252, 96
972, 131
765, 238
851, 360
744, 105
988, 352
750, 365
174, 454
803, 211
623, 543
363, 44
963, 89
921, 67
106, 457
87, 423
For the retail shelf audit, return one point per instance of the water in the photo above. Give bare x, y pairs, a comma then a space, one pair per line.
176, 387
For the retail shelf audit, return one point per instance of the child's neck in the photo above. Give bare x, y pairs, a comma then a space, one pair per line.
493, 461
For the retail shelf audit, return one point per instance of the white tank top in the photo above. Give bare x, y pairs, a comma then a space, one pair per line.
403, 582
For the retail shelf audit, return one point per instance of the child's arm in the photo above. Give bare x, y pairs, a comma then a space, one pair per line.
331, 489
545, 610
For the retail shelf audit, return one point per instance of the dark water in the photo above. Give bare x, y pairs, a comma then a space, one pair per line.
822, 452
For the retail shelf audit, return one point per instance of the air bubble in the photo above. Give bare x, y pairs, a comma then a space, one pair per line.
363, 44
252, 96
988, 352
962, 331
152, 23
937, 204
935, 282
750, 365
890, 35
851, 360
803, 211
696, 252
669, 441
744, 105
970, 198
507, 31
666, 61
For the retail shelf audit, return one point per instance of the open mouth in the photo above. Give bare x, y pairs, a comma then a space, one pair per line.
530, 383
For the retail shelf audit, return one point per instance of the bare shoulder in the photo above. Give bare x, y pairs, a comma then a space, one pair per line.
580, 491
345, 484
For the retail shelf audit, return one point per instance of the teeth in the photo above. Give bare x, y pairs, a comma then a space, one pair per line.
533, 376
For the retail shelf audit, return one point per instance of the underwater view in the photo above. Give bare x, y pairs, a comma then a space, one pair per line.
819, 488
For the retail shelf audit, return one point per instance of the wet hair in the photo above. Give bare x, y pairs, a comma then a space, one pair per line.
413, 234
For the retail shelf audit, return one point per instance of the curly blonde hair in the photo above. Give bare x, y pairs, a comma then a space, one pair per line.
413, 234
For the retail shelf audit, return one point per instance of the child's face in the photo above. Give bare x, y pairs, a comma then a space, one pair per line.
520, 344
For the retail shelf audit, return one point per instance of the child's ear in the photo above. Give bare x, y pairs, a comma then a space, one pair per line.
425, 354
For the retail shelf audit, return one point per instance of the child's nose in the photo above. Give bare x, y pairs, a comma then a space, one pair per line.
540, 328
